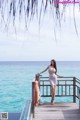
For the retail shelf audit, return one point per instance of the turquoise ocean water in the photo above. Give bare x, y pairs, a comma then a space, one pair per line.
16, 78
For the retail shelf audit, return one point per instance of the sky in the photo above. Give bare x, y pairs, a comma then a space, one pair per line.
42, 44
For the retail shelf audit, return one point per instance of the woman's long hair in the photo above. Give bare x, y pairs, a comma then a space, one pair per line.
55, 66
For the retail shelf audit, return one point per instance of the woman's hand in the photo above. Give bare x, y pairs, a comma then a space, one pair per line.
61, 76
39, 74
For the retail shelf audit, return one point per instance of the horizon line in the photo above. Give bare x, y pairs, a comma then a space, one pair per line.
39, 61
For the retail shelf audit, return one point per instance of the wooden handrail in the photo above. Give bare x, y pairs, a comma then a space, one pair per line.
57, 80
60, 77
66, 83
77, 79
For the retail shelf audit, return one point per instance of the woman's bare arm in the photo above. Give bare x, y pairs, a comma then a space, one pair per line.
44, 70
59, 76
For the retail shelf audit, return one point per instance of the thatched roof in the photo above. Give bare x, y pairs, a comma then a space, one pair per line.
12, 9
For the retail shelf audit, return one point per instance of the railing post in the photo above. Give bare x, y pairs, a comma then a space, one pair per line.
74, 89
79, 99
33, 94
37, 77
79, 96
33, 98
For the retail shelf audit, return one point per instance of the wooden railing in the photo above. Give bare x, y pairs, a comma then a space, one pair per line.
66, 87
78, 90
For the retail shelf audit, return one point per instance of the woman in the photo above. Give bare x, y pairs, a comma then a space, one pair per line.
52, 69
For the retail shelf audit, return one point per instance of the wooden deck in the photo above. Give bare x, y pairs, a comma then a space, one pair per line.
58, 111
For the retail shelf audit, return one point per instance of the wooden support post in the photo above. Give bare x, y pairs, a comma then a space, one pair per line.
79, 97
79, 103
33, 94
33, 99
74, 89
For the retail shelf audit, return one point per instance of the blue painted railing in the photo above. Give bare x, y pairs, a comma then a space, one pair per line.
26, 113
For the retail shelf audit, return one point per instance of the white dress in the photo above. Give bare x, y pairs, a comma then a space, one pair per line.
52, 76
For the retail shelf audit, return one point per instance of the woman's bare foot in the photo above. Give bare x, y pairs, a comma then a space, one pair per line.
52, 100
52, 103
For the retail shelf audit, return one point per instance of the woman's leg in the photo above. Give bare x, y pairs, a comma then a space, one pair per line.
53, 92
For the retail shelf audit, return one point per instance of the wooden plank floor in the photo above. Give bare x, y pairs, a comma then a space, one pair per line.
58, 111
